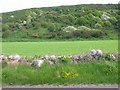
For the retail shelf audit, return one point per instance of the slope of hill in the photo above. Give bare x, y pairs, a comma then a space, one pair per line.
64, 22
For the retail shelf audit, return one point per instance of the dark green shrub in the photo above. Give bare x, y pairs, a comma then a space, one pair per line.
88, 33
82, 33
97, 25
81, 21
64, 60
97, 33
5, 28
67, 35
6, 34
107, 24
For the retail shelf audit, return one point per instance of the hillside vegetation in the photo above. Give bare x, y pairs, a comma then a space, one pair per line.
61, 23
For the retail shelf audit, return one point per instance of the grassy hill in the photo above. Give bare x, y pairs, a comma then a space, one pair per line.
62, 23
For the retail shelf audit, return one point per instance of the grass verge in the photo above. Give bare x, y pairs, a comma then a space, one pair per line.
97, 72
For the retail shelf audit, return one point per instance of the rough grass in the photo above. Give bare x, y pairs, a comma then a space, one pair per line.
98, 72
63, 48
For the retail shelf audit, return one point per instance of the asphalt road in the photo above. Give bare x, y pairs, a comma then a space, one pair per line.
63, 86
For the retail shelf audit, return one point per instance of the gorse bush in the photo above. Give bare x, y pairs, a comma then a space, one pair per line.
35, 35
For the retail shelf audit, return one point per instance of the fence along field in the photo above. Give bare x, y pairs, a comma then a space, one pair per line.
62, 48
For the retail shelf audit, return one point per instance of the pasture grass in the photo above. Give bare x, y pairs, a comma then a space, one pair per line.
61, 47
97, 72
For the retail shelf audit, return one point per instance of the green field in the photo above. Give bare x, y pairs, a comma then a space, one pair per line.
63, 48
